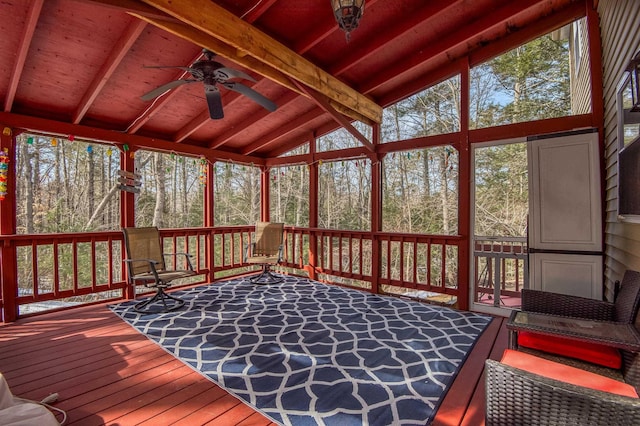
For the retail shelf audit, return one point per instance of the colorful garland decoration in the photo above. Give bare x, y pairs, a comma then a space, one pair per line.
4, 172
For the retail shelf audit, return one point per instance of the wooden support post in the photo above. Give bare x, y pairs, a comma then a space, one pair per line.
209, 219
464, 192
8, 255
265, 195
127, 208
376, 212
313, 211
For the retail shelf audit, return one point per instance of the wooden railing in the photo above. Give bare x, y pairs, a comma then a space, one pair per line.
501, 267
80, 267
421, 262
55, 270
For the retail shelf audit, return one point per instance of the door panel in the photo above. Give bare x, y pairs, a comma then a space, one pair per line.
565, 227
565, 194
567, 274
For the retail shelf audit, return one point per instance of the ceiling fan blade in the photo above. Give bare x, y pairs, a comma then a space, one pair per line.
268, 104
225, 73
165, 87
214, 101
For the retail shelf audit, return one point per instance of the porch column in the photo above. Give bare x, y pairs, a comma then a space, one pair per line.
209, 218
127, 199
265, 197
464, 193
8, 255
312, 268
127, 209
376, 211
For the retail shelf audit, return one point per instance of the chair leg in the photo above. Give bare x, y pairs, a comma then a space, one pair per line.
144, 307
266, 277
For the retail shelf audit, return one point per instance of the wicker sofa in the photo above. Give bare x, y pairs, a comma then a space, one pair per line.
518, 397
515, 396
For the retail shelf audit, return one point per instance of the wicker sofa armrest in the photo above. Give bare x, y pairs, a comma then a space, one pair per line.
517, 397
566, 305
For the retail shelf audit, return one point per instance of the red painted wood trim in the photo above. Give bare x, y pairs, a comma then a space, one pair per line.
464, 193
529, 128
119, 138
29, 28
120, 50
265, 210
461, 36
532, 31
314, 256
8, 255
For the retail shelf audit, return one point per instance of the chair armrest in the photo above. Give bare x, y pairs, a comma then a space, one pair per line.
517, 397
152, 265
250, 248
569, 306
187, 258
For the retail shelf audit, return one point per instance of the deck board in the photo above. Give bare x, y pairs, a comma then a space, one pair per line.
107, 373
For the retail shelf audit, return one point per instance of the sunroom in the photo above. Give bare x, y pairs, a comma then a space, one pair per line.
446, 155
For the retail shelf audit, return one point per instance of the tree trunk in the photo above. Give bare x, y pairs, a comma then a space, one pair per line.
91, 182
160, 178
101, 206
29, 187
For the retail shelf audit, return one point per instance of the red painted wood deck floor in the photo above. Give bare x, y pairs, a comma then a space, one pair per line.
107, 373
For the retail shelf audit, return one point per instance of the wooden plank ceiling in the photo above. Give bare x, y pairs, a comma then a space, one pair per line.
83, 64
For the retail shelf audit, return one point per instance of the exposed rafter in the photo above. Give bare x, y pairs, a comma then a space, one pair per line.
231, 132
431, 10
228, 28
271, 138
201, 39
159, 103
29, 28
121, 48
322, 103
461, 36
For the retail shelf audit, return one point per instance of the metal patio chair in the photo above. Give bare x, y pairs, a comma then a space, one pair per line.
266, 250
146, 265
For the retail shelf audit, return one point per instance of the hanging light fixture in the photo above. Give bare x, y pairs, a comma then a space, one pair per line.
348, 14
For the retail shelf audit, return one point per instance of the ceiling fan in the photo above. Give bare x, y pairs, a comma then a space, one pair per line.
212, 74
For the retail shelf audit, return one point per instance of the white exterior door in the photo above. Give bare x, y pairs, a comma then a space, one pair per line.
565, 223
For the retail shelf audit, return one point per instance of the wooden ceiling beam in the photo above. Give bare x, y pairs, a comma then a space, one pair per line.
121, 48
233, 54
21, 56
258, 10
218, 23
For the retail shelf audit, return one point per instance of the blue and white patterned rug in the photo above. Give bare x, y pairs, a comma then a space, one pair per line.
306, 353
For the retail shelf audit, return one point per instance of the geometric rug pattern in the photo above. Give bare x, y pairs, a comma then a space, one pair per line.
307, 353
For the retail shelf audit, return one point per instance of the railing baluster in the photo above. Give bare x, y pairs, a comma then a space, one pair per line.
94, 275
56, 272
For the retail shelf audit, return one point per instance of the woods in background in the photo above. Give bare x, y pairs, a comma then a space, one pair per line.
68, 185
